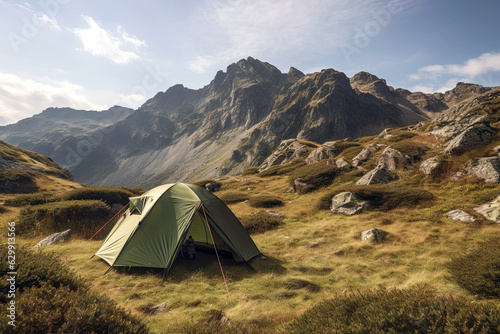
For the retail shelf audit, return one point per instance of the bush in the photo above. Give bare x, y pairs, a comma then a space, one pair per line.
36, 268
202, 183
17, 181
108, 195
283, 169
261, 222
381, 196
341, 146
250, 171
30, 199
479, 270
397, 311
415, 150
134, 190
82, 217
230, 197
264, 201
315, 175
3, 209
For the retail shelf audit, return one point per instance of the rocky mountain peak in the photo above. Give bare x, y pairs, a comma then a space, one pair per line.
295, 73
363, 78
463, 91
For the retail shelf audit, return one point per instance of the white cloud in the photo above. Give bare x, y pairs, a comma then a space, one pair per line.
296, 29
103, 43
423, 88
21, 98
50, 21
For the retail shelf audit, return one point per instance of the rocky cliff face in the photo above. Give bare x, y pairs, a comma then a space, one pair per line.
235, 121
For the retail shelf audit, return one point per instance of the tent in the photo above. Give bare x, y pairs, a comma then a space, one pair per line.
156, 224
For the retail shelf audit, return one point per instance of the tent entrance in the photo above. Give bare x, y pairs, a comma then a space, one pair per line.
202, 239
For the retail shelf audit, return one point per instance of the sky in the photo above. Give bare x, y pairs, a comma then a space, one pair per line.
89, 54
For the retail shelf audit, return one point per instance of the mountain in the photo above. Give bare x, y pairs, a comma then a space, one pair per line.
234, 122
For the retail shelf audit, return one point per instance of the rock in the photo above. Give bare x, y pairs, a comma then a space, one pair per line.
469, 139
325, 151
272, 213
213, 186
313, 244
431, 166
486, 169
373, 235
460, 215
490, 210
392, 159
348, 204
301, 187
343, 165
384, 134
55, 238
157, 309
376, 176
496, 150
287, 151
365, 154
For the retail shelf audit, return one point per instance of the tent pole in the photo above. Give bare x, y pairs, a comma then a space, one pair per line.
215, 248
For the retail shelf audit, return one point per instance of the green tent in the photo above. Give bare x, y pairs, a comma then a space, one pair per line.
155, 226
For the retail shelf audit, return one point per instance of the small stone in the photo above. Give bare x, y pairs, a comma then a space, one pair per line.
55, 238
373, 235
460, 215
376, 176
313, 244
490, 210
348, 204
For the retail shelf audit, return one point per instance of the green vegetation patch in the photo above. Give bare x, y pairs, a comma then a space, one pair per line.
108, 195
261, 222
264, 201
479, 270
250, 171
82, 217
382, 196
230, 197
399, 135
415, 150
203, 182
30, 199
397, 311
315, 175
283, 169
17, 181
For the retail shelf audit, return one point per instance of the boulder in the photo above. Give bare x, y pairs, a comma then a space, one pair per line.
460, 215
365, 154
373, 235
55, 238
469, 139
157, 309
301, 187
486, 169
496, 150
325, 151
213, 186
348, 204
392, 159
343, 165
376, 176
286, 152
490, 210
431, 166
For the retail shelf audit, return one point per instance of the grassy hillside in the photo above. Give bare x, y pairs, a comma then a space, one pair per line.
316, 265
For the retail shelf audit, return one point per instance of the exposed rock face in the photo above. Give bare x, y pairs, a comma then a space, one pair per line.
460, 215
343, 165
288, 150
469, 139
376, 176
213, 186
348, 204
490, 210
55, 238
365, 154
431, 166
301, 187
325, 151
486, 169
373, 235
392, 159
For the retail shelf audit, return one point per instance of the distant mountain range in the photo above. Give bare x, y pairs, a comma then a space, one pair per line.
234, 122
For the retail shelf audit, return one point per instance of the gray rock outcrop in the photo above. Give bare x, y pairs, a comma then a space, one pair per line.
486, 169
365, 154
348, 204
392, 159
373, 235
490, 210
431, 166
55, 238
287, 151
460, 215
376, 176
469, 139
343, 165
325, 151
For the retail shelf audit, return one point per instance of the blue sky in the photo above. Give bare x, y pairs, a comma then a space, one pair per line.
93, 54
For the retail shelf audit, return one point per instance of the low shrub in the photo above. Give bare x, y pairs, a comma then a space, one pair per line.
230, 197
261, 222
82, 217
36, 268
283, 169
399, 135
108, 195
213, 323
264, 201
415, 150
341, 146
30, 199
3, 209
134, 190
479, 270
250, 171
315, 175
203, 182
17, 181
416, 310
381, 196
